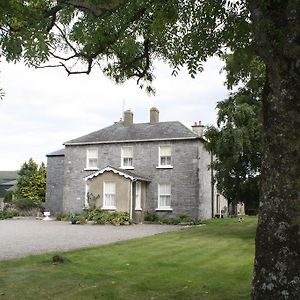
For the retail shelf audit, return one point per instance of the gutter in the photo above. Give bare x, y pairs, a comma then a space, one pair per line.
131, 141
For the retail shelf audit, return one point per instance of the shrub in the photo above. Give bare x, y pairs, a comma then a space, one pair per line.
183, 219
119, 218
61, 216
151, 217
8, 197
99, 216
25, 204
81, 219
7, 214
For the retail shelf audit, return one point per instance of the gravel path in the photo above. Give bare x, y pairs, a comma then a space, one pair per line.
23, 237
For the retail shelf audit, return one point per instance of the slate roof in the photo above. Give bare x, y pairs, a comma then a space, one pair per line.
60, 152
136, 132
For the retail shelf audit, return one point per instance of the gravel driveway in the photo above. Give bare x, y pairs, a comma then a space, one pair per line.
23, 237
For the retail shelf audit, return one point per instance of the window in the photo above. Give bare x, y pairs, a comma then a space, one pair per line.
126, 157
109, 195
86, 198
165, 156
164, 196
138, 194
92, 158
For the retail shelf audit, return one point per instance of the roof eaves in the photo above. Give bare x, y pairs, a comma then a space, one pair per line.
131, 141
115, 171
108, 168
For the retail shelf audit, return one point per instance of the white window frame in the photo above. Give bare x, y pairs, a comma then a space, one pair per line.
138, 195
109, 207
164, 166
86, 202
88, 157
166, 207
123, 166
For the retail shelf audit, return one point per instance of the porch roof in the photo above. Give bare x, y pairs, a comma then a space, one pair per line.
122, 172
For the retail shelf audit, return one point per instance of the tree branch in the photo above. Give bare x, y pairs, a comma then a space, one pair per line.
97, 10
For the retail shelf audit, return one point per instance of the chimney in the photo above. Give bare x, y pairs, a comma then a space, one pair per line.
154, 115
198, 128
128, 118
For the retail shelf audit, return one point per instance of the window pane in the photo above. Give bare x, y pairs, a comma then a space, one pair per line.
165, 200
110, 200
165, 160
127, 161
92, 163
109, 194
110, 187
165, 150
165, 189
92, 153
127, 151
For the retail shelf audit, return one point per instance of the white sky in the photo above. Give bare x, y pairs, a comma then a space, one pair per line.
44, 108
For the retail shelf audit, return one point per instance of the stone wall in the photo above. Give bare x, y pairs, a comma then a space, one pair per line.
55, 183
190, 186
204, 177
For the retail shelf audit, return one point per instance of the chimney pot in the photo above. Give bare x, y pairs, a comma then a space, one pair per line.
198, 128
154, 115
128, 118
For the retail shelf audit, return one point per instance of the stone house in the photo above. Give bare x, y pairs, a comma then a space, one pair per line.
157, 167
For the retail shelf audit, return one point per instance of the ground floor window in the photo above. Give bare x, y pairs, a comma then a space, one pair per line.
164, 196
109, 195
138, 196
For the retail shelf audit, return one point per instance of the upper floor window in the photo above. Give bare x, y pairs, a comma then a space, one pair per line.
127, 157
109, 195
165, 156
92, 158
164, 196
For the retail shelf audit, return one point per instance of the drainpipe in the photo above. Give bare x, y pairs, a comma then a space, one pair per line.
130, 201
212, 185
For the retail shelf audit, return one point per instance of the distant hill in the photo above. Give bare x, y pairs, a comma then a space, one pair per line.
6, 176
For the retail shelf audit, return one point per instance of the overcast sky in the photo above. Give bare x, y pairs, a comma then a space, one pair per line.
44, 108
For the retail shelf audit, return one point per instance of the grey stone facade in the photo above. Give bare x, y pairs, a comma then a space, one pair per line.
189, 176
55, 183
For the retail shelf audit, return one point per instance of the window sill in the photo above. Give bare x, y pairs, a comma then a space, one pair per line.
109, 207
164, 209
165, 167
127, 168
91, 169
138, 209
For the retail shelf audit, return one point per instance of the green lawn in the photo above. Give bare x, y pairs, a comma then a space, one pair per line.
213, 261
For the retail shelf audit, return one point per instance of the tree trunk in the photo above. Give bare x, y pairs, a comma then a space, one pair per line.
277, 258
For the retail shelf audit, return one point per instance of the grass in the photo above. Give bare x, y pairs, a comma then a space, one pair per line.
214, 261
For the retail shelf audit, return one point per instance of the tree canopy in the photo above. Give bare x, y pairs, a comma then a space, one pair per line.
237, 140
121, 37
31, 183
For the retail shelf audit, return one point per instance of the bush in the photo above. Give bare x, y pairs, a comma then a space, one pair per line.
151, 217
81, 219
170, 221
8, 197
7, 214
119, 218
61, 216
25, 204
183, 219
99, 216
